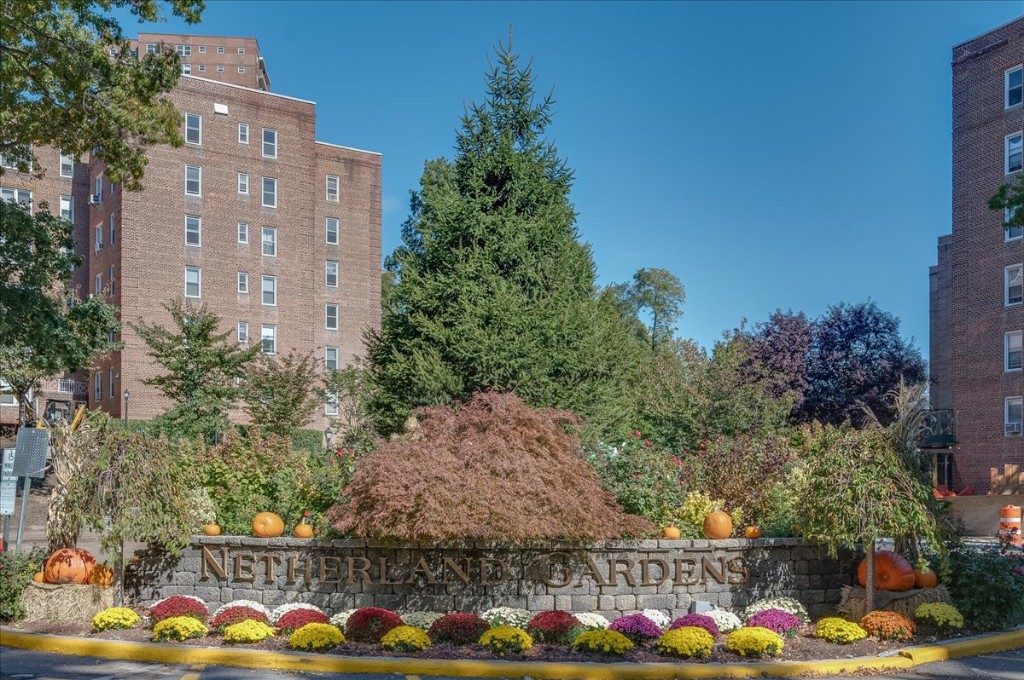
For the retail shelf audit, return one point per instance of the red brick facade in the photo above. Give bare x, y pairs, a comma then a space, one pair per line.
971, 315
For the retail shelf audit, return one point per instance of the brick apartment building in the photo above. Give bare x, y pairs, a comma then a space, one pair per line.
977, 297
278, 233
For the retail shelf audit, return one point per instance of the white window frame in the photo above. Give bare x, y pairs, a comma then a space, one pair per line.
331, 404
67, 160
1008, 340
243, 232
220, 68
151, 48
110, 382
1007, 278
243, 133
241, 50
97, 386
1020, 152
327, 230
241, 69
272, 231
271, 290
110, 280
331, 357
198, 180
202, 68
198, 271
17, 196
194, 122
1007, 423
272, 144
183, 50
98, 194
243, 183
186, 69
99, 237
327, 316
272, 335
220, 49
198, 231
242, 332
243, 283
97, 284
335, 196
67, 213
1014, 233
273, 192
328, 274
113, 228
1019, 68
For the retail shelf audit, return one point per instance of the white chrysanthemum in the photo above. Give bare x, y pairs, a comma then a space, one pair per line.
786, 604
243, 603
187, 597
507, 616
661, 619
592, 621
725, 620
290, 607
340, 619
421, 620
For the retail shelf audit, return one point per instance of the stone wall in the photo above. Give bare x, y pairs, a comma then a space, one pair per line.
610, 578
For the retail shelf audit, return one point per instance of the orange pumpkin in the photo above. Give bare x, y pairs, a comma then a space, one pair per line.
892, 571
102, 575
212, 530
925, 578
752, 531
267, 525
671, 533
718, 524
38, 577
69, 565
304, 530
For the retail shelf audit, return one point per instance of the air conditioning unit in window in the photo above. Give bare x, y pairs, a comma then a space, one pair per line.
1013, 428
95, 199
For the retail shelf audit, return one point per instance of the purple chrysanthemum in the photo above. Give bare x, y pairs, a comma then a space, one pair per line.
775, 620
636, 627
699, 620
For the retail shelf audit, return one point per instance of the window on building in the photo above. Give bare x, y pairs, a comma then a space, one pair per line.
97, 391
270, 291
67, 165
193, 230
1014, 86
110, 383
1014, 285
193, 128
202, 67
183, 50
220, 49
243, 232
202, 49
269, 192
243, 183
243, 133
269, 143
332, 230
241, 69
1012, 352
268, 337
193, 180
332, 188
331, 273
97, 283
331, 405
99, 237
113, 228
98, 194
331, 358
1016, 231
220, 68
243, 282
270, 241
332, 317
193, 282
67, 208
1014, 153
110, 280
23, 196
242, 331
151, 48
1013, 411
186, 69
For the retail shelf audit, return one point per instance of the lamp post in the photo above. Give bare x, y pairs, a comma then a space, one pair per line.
126, 395
328, 435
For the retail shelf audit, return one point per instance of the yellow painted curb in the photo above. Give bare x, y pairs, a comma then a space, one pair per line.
318, 663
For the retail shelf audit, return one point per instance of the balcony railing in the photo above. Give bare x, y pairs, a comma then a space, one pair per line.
937, 429
66, 386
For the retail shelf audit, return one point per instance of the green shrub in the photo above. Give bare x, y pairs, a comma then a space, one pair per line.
839, 631
308, 440
504, 639
16, 570
643, 477
752, 641
686, 642
987, 586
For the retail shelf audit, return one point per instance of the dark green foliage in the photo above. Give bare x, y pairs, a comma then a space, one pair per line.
494, 289
281, 392
987, 586
16, 570
643, 477
656, 293
203, 370
1010, 197
63, 89
308, 440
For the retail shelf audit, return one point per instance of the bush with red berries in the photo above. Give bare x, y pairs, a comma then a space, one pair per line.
297, 618
555, 627
458, 629
233, 615
370, 624
179, 605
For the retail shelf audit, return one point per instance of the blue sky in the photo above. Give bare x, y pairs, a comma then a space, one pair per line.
771, 155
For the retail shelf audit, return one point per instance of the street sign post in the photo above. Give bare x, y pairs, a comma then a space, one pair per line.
8, 490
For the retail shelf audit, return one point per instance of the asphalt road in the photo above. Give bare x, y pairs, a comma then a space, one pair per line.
17, 664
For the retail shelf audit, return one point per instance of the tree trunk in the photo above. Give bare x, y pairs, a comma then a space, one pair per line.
869, 585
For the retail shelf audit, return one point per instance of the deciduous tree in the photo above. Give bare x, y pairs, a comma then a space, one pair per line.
656, 294
281, 391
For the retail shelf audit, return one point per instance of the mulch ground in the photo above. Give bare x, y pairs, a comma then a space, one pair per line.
801, 647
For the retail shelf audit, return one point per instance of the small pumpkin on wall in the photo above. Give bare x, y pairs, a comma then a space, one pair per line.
753, 531
925, 578
670, 532
717, 525
212, 529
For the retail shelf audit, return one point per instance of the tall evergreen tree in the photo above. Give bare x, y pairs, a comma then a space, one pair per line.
494, 289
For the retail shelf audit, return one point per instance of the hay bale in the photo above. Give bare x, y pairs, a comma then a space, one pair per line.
69, 603
853, 604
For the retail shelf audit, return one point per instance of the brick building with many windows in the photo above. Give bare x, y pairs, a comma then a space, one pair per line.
977, 286
277, 233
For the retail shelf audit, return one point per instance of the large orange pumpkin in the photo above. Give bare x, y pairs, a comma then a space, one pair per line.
925, 578
267, 525
69, 565
102, 575
718, 524
892, 571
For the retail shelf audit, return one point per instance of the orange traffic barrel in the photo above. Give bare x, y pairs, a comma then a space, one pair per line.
1010, 523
